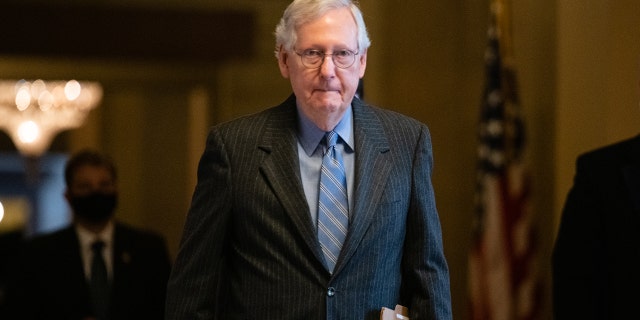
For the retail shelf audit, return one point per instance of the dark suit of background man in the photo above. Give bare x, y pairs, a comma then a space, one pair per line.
251, 249
596, 261
58, 266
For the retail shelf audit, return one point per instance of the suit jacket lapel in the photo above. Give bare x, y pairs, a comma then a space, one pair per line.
76, 290
282, 170
121, 254
372, 155
71, 248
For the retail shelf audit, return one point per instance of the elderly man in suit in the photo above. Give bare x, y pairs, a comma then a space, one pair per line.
287, 223
96, 268
596, 259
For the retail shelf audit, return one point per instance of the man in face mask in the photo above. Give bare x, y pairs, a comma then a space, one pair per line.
91, 191
97, 268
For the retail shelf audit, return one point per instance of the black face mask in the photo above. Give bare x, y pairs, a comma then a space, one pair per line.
95, 207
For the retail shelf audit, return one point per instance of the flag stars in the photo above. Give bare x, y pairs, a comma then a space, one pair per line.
493, 158
496, 158
494, 98
492, 33
490, 56
495, 128
483, 151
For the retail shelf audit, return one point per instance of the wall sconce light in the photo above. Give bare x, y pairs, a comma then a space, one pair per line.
32, 113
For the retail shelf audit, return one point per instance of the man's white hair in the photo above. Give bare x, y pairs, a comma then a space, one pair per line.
300, 12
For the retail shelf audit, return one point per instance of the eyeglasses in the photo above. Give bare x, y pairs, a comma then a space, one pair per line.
313, 59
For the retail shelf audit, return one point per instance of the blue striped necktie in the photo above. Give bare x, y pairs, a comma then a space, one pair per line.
333, 207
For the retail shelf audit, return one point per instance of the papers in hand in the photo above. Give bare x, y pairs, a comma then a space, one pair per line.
400, 313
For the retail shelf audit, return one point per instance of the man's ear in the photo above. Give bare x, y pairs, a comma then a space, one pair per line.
363, 63
283, 62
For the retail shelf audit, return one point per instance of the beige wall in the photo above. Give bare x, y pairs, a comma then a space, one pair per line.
597, 101
577, 63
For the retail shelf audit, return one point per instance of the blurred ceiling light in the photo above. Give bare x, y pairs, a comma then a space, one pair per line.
32, 113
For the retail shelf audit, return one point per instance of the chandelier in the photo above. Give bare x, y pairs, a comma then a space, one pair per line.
32, 113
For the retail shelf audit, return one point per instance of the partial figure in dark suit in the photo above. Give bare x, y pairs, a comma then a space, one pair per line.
267, 237
596, 260
62, 269
10, 247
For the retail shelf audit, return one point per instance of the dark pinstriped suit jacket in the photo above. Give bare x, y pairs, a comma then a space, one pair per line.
249, 248
596, 259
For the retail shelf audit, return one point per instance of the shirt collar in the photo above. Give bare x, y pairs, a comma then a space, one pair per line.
310, 135
87, 237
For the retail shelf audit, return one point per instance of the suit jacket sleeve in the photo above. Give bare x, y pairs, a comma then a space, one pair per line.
425, 275
194, 282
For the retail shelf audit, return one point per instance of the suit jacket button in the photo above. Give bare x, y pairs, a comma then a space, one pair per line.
331, 291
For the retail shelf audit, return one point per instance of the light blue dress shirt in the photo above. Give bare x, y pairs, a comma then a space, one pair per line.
310, 153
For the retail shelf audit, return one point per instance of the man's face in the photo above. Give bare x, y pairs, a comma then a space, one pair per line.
90, 179
93, 196
323, 94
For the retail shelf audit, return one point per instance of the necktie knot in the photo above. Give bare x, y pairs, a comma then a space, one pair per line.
97, 246
331, 139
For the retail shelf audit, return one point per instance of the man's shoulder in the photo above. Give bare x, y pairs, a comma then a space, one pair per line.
288, 107
48, 237
387, 117
43, 245
141, 245
620, 151
277, 116
126, 230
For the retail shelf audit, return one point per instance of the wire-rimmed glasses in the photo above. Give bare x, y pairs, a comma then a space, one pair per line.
313, 58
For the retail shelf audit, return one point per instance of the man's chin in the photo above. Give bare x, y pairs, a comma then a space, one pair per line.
330, 108
329, 104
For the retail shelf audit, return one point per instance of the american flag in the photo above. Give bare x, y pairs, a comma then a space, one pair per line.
503, 278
